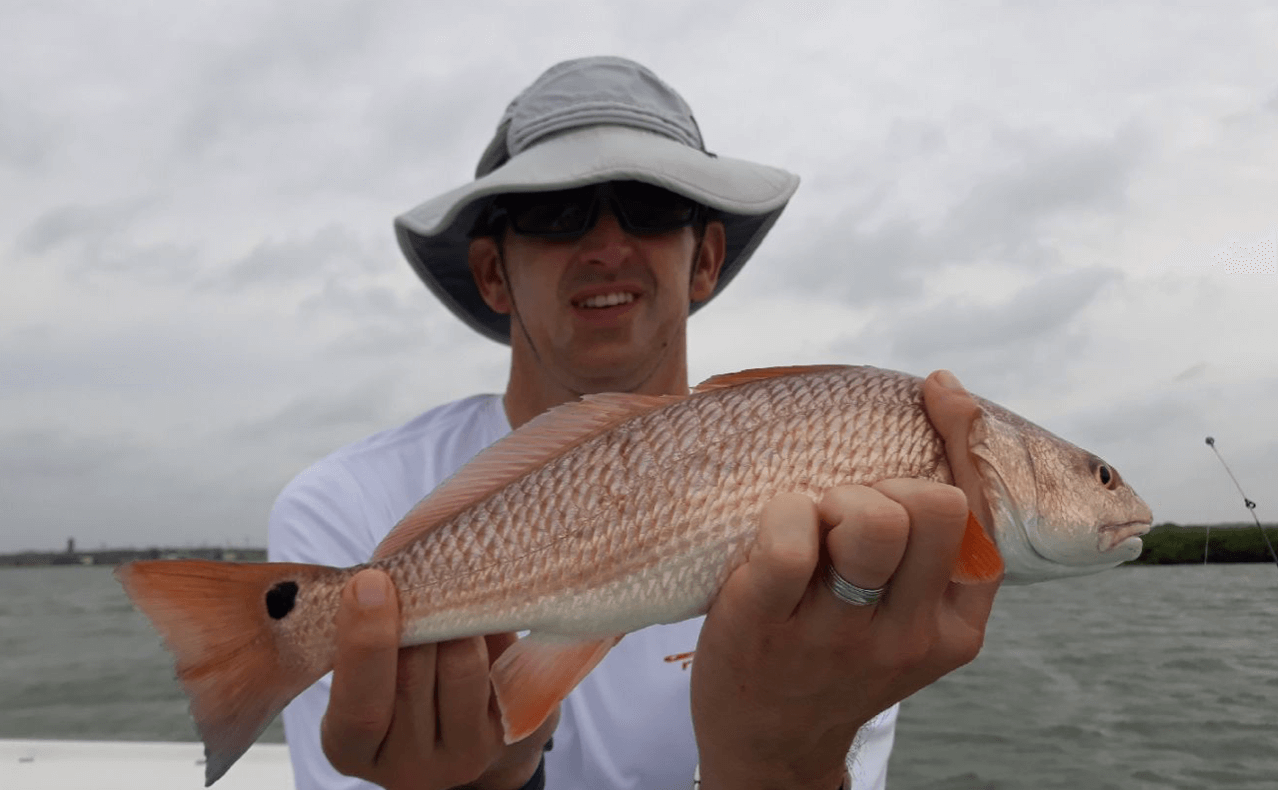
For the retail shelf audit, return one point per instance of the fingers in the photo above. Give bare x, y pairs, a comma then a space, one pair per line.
362, 700
773, 581
937, 518
466, 726
866, 542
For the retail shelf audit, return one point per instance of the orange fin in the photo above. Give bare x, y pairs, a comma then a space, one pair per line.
758, 374
541, 440
979, 560
536, 672
221, 621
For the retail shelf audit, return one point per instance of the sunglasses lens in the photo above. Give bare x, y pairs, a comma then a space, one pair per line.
641, 208
650, 209
562, 213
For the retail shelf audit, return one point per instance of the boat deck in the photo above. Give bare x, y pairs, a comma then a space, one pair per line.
128, 765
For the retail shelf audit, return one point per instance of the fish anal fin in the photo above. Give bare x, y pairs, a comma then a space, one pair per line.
217, 619
542, 439
978, 560
725, 380
536, 673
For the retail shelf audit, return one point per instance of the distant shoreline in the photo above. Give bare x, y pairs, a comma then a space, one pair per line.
1166, 544
44, 559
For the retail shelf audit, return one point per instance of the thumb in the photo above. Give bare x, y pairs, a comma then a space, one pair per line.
362, 699
956, 415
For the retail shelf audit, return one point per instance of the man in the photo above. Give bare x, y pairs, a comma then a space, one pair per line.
596, 223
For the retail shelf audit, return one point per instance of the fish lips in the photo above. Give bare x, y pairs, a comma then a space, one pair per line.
1123, 538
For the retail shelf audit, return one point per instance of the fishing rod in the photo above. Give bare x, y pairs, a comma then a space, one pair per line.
1251, 506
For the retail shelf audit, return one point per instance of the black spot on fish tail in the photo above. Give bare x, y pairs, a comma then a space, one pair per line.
280, 599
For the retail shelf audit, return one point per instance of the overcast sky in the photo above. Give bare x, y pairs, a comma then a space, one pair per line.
202, 293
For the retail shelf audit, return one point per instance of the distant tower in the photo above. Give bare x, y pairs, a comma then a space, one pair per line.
70, 545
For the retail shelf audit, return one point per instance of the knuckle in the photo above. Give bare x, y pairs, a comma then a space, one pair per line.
785, 509
789, 558
938, 500
865, 508
887, 523
967, 647
948, 502
846, 501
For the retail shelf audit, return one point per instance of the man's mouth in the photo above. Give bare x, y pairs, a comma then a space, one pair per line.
606, 300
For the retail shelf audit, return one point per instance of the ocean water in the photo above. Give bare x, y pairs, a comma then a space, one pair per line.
1147, 677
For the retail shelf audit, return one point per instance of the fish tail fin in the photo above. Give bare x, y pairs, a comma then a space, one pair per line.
979, 560
233, 630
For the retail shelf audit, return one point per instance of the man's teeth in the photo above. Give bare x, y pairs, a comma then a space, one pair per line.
608, 300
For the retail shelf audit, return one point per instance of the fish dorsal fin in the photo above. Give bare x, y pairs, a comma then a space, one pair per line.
758, 374
543, 438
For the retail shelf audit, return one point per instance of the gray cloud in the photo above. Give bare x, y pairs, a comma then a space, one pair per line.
991, 346
235, 90
74, 224
38, 456
315, 418
1008, 217
1043, 307
1192, 372
95, 241
331, 250
25, 138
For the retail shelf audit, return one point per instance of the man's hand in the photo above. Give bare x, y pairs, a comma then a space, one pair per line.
786, 673
421, 717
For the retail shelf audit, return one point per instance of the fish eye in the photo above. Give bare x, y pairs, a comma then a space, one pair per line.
1105, 475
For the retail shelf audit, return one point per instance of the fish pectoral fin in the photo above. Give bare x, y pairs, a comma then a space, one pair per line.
978, 560
537, 672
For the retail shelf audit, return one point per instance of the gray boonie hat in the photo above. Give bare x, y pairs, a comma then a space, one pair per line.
584, 122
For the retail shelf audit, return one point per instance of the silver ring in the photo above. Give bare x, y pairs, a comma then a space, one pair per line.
848, 592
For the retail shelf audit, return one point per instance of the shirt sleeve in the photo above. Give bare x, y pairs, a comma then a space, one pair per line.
868, 761
319, 518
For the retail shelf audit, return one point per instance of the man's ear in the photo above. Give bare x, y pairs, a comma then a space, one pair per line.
705, 269
485, 266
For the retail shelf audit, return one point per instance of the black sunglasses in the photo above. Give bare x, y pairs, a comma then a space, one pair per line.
641, 209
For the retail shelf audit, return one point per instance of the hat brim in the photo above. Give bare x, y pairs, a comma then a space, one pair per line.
434, 236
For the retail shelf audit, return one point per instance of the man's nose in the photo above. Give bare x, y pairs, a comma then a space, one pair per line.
607, 242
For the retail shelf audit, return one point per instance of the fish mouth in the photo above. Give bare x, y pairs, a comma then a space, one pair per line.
1114, 535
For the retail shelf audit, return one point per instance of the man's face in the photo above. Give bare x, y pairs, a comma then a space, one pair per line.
606, 311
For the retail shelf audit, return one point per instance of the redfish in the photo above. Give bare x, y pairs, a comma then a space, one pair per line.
617, 512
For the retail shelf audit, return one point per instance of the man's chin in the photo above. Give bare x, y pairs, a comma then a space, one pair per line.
612, 370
